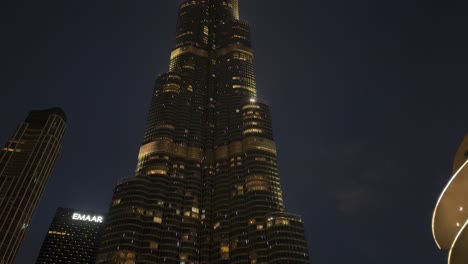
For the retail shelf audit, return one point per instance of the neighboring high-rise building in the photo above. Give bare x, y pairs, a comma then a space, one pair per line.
73, 237
450, 219
26, 163
206, 188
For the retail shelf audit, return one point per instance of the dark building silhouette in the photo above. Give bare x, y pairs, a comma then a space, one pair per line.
73, 237
206, 188
450, 219
26, 162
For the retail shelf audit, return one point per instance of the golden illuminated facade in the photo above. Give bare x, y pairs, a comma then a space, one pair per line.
206, 188
450, 219
26, 162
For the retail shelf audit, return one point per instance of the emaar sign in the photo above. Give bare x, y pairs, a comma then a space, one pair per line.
87, 218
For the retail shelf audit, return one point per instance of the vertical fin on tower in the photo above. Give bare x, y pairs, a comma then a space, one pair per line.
235, 9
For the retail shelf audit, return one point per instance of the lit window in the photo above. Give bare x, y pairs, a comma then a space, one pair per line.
154, 245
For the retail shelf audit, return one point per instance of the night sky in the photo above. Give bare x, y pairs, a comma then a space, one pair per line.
369, 102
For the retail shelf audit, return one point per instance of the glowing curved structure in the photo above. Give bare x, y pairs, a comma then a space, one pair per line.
450, 218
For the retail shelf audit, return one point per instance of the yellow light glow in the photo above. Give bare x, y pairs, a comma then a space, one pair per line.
455, 241
439, 200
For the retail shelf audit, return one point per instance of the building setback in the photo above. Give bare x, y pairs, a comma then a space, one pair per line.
26, 162
206, 188
73, 237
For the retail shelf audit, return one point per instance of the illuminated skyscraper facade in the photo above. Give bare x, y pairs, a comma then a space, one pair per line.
450, 219
26, 162
206, 188
73, 237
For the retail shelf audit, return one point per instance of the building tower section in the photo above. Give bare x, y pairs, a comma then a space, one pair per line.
26, 162
206, 188
73, 237
450, 219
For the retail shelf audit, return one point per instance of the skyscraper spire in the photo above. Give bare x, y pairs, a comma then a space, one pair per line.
206, 188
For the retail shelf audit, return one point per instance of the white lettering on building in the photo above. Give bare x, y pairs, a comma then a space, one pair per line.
87, 218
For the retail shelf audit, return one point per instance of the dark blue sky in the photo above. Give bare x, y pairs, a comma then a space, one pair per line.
369, 104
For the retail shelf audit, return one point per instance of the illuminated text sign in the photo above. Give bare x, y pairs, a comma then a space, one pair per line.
87, 218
